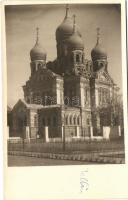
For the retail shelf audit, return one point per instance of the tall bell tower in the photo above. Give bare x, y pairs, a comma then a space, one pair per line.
75, 51
98, 86
63, 32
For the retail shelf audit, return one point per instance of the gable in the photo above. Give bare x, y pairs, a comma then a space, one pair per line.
20, 106
103, 76
47, 73
44, 76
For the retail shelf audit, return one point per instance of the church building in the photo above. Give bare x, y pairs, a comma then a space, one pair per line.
64, 96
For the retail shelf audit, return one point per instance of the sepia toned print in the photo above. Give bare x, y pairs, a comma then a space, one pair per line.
71, 109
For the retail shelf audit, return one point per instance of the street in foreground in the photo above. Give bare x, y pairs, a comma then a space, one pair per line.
33, 161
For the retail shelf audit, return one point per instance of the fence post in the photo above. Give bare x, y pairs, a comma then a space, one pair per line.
78, 131
46, 134
27, 133
106, 132
119, 130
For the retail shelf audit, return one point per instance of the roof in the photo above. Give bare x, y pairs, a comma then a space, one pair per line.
65, 29
51, 73
35, 106
38, 53
107, 74
75, 41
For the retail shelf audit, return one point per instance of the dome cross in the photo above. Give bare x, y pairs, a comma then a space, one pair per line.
67, 10
98, 35
74, 23
38, 52
37, 35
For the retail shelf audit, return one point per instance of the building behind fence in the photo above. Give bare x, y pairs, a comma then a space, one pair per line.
70, 97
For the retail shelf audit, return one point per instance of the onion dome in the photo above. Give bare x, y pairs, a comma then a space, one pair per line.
65, 29
37, 52
98, 52
75, 41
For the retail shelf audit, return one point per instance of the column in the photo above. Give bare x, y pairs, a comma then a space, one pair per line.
58, 96
78, 131
111, 93
27, 133
62, 132
91, 132
59, 91
96, 96
82, 93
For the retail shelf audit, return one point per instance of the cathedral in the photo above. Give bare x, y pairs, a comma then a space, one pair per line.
66, 95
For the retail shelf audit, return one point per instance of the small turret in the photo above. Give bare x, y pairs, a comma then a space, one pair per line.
37, 52
37, 55
98, 52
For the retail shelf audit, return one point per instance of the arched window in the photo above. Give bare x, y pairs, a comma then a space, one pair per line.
66, 100
78, 120
74, 120
87, 67
86, 95
77, 58
70, 120
35, 120
66, 120
88, 121
103, 95
39, 66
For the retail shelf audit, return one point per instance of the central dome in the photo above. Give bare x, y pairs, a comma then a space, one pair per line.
65, 29
75, 42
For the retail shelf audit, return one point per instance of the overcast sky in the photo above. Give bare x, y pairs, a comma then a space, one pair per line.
21, 22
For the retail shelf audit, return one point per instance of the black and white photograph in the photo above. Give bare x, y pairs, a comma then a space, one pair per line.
64, 84
64, 99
